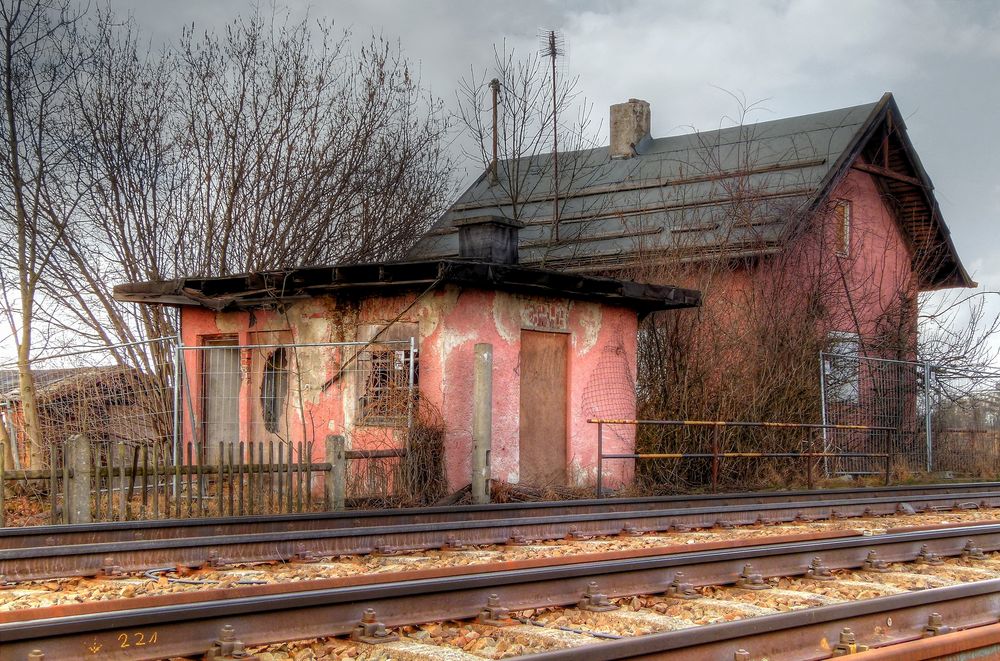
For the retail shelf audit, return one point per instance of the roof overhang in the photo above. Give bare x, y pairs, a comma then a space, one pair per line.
357, 280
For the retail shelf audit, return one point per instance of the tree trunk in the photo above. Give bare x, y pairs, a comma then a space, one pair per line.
29, 402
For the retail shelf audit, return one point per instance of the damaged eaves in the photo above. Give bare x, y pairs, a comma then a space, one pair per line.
256, 289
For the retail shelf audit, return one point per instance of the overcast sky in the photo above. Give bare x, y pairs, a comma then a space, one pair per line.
940, 59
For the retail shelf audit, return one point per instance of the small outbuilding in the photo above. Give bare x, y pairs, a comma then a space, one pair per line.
301, 354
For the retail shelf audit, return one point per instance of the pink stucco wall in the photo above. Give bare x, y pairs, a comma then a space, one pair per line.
879, 266
450, 322
856, 292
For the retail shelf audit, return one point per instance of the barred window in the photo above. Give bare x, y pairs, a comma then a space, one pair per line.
384, 393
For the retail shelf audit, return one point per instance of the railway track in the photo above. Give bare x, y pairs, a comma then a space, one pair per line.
57, 551
964, 592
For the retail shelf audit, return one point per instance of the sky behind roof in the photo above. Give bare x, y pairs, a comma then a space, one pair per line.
940, 59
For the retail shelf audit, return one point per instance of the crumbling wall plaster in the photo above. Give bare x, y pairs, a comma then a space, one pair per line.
451, 321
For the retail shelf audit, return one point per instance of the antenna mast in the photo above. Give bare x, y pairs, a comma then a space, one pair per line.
553, 45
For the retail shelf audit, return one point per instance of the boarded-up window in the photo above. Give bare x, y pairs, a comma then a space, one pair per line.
385, 391
842, 228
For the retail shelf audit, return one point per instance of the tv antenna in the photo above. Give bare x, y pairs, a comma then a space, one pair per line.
553, 46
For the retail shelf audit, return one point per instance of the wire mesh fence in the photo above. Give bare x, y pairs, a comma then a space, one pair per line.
118, 395
240, 422
965, 420
875, 392
292, 396
943, 419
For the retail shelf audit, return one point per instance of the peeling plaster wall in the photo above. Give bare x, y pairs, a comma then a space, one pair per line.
451, 321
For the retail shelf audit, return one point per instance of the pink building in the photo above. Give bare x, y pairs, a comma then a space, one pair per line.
841, 193
263, 365
828, 219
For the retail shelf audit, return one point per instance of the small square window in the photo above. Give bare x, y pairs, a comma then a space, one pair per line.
842, 228
385, 392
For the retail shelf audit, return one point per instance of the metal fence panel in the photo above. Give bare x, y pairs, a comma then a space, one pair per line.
944, 419
874, 392
242, 429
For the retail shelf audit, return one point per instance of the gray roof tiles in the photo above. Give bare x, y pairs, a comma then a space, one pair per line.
723, 190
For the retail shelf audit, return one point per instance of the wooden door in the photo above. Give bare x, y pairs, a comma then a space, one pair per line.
543, 408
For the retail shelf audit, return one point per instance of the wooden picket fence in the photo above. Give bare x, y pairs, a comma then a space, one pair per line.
112, 482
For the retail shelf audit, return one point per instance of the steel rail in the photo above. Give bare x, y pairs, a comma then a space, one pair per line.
142, 554
807, 634
116, 531
190, 628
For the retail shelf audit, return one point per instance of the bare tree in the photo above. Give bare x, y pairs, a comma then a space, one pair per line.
298, 150
267, 145
522, 171
39, 58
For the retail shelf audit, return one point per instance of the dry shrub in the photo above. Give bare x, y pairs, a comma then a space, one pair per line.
413, 480
422, 470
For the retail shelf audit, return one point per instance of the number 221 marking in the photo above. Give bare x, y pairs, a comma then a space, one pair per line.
138, 639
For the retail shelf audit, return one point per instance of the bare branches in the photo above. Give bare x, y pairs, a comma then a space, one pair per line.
269, 144
300, 151
524, 133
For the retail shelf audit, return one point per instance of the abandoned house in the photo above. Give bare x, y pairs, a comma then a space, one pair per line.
825, 222
365, 350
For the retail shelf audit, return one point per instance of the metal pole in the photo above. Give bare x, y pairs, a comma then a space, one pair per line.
410, 383
809, 460
175, 450
927, 414
600, 458
482, 423
822, 404
715, 459
495, 86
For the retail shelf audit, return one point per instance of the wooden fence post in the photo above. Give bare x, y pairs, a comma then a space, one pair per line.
336, 481
3, 482
78, 488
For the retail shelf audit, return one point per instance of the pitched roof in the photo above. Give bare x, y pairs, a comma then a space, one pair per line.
54, 384
10, 384
734, 191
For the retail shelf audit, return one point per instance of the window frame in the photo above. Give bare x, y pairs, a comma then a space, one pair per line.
842, 228
274, 382
383, 371
846, 389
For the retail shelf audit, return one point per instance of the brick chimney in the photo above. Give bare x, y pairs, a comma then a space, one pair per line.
629, 128
488, 239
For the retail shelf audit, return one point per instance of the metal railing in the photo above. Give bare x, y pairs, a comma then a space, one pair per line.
809, 455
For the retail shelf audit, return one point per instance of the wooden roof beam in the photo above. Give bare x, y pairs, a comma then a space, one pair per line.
887, 173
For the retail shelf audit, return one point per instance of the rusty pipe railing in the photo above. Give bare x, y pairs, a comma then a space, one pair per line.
716, 455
